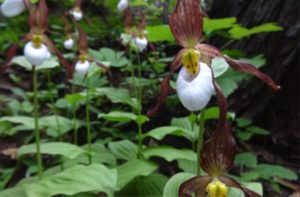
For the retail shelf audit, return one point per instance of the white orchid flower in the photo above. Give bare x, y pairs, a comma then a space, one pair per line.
69, 43
194, 83
82, 67
141, 43
122, 5
36, 52
10, 8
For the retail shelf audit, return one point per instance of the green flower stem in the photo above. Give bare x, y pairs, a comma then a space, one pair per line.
88, 126
36, 124
53, 106
139, 94
200, 139
54, 112
74, 116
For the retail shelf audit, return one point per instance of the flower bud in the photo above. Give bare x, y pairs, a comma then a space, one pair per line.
217, 189
36, 56
122, 5
69, 43
77, 14
10, 8
141, 43
195, 91
82, 67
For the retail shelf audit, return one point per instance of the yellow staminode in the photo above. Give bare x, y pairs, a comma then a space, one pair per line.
37, 41
190, 60
217, 189
82, 58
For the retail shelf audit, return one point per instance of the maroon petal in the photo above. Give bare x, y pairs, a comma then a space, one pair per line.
77, 3
218, 152
222, 103
67, 25
176, 63
165, 88
194, 185
38, 18
62, 60
186, 23
83, 44
208, 50
10, 54
142, 24
248, 68
233, 183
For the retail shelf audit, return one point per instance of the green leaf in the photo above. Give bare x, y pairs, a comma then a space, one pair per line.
74, 99
256, 187
244, 135
187, 165
160, 132
124, 149
53, 148
148, 186
210, 25
92, 178
219, 66
257, 130
132, 169
238, 32
242, 122
228, 85
213, 113
258, 61
159, 33
169, 153
172, 186
13, 192
267, 171
22, 61
117, 96
124, 117
246, 159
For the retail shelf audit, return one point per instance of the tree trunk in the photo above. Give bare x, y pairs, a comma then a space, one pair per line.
279, 111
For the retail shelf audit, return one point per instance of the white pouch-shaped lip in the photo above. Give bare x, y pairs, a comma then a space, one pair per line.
36, 56
194, 92
141, 43
82, 67
77, 14
69, 43
122, 5
10, 8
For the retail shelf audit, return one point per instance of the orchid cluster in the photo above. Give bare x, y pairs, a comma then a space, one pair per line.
195, 86
133, 36
39, 46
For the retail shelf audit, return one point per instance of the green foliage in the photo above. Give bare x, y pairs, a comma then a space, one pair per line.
53, 148
171, 188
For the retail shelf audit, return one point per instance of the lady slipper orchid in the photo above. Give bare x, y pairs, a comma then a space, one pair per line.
38, 46
141, 43
122, 5
69, 41
76, 11
10, 8
82, 66
195, 91
186, 25
217, 159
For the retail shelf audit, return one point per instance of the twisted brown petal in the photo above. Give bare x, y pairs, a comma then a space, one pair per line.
77, 3
62, 60
208, 50
11, 52
83, 44
233, 183
176, 63
67, 25
248, 68
165, 88
186, 23
194, 185
38, 18
142, 24
105, 68
218, 152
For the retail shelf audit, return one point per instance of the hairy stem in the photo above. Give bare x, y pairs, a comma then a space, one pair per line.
55, 113
36, 124
200, 139
88, 126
